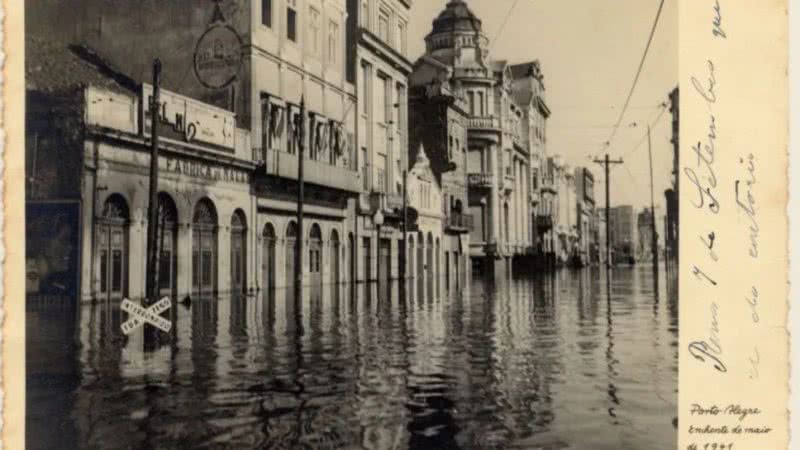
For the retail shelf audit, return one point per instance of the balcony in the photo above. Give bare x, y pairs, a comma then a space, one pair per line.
535, 198
284, 165
508, 182
549, 187
459, 223
385, 202
479, 180
544, 223
486, 123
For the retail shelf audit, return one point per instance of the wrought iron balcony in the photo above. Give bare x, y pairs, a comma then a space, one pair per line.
544, 223
481, 179
483, 123
458, 222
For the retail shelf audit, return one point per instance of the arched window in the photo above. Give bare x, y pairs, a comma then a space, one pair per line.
335, 256
268, 258
204, 248
112, 248
315, 261
238, 252
291, 239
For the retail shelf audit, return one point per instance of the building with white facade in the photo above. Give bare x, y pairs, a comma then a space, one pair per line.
377, 63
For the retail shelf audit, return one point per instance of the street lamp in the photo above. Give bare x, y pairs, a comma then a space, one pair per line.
378, 220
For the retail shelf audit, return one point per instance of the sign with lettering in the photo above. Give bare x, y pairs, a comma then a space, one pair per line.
138, 315
188, 120
218, 56
199, 169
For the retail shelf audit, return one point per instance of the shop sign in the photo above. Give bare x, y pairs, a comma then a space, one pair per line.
202, 170
218, 54
188, 120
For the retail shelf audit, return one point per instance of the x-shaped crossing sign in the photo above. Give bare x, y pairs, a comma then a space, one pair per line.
138, 316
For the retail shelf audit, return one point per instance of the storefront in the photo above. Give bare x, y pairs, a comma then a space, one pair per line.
205, 245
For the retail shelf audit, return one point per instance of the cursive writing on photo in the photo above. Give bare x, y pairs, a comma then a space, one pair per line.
746, 201
710, 351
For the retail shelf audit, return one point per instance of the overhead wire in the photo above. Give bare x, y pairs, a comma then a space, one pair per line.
638, 73
503, 26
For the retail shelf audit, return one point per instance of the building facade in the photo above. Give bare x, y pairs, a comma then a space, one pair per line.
279, 53
425, 244
528, 89
671, 227
585, 214
498, 147
622, 221
438, 120
88, 144
377, 63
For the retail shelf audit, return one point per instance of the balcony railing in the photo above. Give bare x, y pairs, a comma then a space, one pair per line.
459, 222
483, 123
284, 164
544, 223
479, 179
385, 202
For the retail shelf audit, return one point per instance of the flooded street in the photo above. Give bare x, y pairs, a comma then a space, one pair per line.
550, 362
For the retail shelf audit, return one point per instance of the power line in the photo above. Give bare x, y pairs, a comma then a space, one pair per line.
505, 22
644, 137
638, 73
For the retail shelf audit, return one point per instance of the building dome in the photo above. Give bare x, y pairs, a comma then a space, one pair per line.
456, 17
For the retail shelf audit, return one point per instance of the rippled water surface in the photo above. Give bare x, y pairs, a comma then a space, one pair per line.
548, 362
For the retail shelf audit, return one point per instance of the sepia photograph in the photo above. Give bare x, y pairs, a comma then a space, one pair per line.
352, 224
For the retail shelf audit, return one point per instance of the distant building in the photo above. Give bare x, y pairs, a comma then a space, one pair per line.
671, 226
644, 223
585, 207
599, 256
622, 222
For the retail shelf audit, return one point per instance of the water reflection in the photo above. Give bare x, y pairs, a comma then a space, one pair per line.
566, 360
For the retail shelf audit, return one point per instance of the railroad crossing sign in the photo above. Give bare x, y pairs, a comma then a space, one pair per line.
138, 316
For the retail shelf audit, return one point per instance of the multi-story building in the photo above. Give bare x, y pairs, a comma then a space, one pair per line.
528, 88
600, 256
438, 120
672, 194
457, 42
566, 221
515, 161
257, 61
548, 211
498, 153
377, 62
584, 200
88, 140
424, 245
624, 233
646, 229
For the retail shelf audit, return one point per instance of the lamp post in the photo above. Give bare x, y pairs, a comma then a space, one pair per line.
378, 220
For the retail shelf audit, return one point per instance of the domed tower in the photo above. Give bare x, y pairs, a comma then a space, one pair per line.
457, 40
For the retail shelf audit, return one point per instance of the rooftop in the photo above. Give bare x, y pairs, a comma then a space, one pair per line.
57, 67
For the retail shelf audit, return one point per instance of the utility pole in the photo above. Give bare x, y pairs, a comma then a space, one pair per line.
151, 287
298, 243
654, 243
607, 163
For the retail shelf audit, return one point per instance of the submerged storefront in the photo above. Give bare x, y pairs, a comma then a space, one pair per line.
205, 236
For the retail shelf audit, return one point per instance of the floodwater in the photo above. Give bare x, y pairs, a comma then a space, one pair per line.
549, 362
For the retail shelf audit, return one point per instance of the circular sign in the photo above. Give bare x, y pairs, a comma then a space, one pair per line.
218, 56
